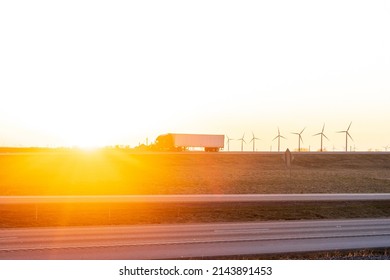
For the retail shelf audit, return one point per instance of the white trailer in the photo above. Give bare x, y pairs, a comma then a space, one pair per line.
181, 142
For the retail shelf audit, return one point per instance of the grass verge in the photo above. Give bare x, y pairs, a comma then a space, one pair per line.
366, 254
130, 214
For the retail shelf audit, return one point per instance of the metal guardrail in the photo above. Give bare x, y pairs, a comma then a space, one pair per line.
194, 198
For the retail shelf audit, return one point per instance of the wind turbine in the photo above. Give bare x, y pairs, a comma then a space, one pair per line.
322, 135
346, 136
279, 136
242, 142
386, 147
254, 140
228, 142
299, 138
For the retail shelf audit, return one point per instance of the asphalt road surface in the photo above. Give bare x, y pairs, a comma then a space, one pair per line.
193, 240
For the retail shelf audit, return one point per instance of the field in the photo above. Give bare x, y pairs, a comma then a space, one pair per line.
119, 172
116, 172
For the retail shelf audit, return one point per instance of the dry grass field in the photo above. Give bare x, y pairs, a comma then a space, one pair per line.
119, 172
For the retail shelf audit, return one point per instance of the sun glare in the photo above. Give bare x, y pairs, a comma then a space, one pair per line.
86, 142
88, 148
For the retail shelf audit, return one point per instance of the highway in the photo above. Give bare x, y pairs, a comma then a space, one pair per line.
178, 241
195, 198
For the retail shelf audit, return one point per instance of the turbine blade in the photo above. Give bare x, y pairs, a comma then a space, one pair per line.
303, 130
317, 134
349, 126
350, 136
325, 136
275, 138
323, 127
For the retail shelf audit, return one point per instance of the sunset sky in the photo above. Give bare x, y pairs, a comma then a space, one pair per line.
93, 73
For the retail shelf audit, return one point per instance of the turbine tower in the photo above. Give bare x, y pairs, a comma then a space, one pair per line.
346, 136
279, 136
242, 142
254, 140
322, 135
228, 142
299, 138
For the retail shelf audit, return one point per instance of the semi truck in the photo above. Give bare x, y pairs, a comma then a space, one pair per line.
182, 142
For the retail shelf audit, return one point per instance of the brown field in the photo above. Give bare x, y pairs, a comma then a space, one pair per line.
119, 172
120, 214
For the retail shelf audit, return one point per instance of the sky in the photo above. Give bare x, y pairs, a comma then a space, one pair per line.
95, 73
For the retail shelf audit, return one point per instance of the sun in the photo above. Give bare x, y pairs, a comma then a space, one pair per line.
87, 140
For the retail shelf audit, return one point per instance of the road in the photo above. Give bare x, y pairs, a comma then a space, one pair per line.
192, 240
194, 198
